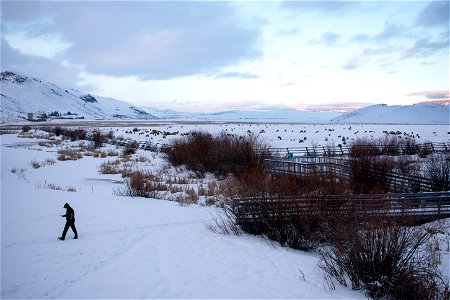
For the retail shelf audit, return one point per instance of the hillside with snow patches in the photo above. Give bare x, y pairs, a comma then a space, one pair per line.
422, 113
21, 95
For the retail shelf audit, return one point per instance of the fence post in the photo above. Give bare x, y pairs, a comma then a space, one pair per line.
439, 206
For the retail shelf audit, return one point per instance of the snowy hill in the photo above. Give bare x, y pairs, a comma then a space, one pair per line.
275, 115
408, 114
22, 95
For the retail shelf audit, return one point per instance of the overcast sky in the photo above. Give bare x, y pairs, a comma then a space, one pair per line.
211, 56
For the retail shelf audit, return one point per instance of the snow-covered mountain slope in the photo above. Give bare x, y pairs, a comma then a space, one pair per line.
275, 115
408, 114
22, 95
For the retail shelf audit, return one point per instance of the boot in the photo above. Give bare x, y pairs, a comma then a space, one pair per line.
61, 238
76, 237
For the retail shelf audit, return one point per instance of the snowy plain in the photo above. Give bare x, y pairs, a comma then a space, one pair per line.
149, 248
130, 247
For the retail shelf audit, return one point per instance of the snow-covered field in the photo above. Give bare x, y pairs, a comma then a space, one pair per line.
129, 247
292, 135
274, 134
148, 248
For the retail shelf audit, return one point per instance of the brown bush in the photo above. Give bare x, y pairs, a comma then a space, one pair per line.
202, 152
97, 139
368, 168
385, 259
130, 148
142, 184
437, 169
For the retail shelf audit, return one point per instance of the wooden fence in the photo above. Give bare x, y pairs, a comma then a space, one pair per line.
344, 150
341, 168
418, 208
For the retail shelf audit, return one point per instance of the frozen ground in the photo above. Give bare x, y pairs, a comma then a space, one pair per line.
129, 247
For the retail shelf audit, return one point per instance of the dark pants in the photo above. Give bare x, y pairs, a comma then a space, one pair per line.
71, 224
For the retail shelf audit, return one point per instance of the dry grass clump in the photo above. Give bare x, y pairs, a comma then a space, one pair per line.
36, 164
69, 155
56, 187
110, 167
50, 143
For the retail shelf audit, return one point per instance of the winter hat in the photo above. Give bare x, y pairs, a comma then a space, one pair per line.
66, 205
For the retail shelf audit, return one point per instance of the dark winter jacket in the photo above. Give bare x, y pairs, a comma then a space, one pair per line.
70, 213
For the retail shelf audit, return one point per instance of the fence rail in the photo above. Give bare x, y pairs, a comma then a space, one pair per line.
343, 150
421, 207
341, 168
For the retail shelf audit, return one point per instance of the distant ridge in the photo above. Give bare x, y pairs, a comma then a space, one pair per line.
402, 114
23, 96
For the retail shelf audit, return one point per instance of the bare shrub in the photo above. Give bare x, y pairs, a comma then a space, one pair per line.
410, 147
26, 128
425, 150
72, 134
369, 170
390, 146
142, 184
202, 152
130, 148
97, 139
225, 222
437, 169
385, 259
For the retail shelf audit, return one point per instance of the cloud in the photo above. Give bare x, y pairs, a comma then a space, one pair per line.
289, 32
323, 7
393, 31
432, 95
328, 39
241, 75
152, 40
396, 42
42, 67
424, 47
435, 14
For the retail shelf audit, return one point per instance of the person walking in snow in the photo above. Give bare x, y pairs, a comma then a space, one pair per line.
70, 222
